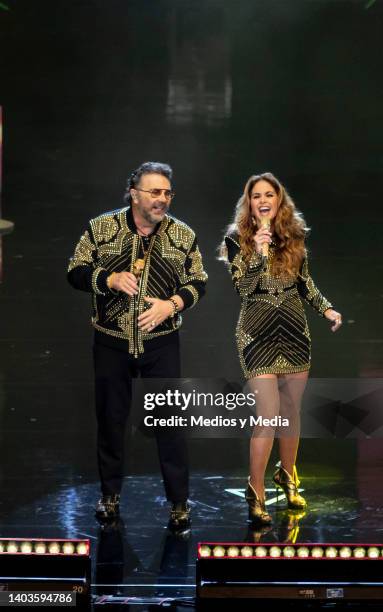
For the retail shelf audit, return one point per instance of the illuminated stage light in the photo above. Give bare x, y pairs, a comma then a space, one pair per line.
218, 551
204, 551
82, 549
331, 573
303, 552
40, 548
345, 552
12, 548
54, 548
26, 548
68, 548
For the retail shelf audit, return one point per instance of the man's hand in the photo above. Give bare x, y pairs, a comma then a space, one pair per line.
123, 281
159, 311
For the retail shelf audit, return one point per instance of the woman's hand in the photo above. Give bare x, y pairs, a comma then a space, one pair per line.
335, 317
262, 236
156, 314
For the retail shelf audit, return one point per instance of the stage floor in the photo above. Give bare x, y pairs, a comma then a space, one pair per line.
138, 557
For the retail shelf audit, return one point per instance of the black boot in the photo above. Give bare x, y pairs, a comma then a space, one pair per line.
179, 518
108, 507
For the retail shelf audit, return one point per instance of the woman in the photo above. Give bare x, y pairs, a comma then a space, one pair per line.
265, 251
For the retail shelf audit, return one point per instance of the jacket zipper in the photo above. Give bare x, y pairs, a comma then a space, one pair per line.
135, 303
138, 298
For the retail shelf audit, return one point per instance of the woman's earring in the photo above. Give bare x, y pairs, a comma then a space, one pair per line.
253, 220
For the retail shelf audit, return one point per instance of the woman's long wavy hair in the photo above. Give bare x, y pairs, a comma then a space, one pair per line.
289, 229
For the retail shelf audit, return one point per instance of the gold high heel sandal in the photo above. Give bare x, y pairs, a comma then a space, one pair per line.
257, 509
289, 484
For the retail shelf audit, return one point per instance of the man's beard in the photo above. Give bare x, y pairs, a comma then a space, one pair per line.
152, 218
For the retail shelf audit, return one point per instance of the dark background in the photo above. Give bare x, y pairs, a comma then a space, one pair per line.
218, 89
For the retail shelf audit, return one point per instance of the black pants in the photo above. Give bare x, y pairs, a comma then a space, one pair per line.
114, 370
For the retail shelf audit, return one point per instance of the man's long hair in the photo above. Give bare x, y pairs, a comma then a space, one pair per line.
289, 229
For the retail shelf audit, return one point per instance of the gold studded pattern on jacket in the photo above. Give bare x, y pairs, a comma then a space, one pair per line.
173, 265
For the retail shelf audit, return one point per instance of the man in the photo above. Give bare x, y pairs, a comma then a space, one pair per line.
143, 268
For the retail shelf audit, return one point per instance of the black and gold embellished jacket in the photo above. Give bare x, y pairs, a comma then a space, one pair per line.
253, 280
173, 265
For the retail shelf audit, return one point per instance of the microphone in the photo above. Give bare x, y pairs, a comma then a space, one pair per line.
265, 222
138, 268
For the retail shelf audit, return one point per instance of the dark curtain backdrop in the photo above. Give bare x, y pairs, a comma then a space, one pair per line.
219, 89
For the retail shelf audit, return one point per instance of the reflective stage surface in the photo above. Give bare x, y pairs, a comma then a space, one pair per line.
138, 557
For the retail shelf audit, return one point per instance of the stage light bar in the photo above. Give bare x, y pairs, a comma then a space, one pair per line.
290, 551
46, 565
315, 571
38, 546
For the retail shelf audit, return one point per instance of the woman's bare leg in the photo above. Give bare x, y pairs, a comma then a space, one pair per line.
266, 390
291, 392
